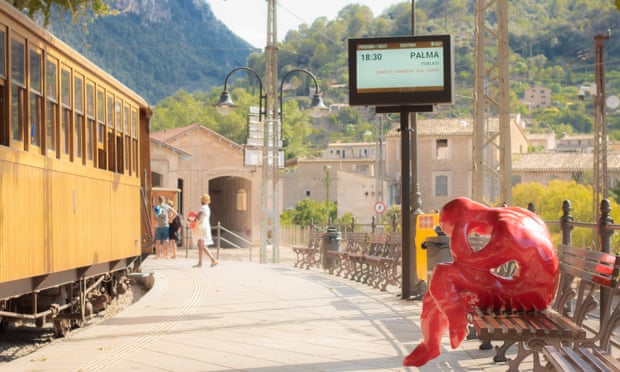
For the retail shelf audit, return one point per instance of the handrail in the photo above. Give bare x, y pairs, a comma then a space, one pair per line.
219, 240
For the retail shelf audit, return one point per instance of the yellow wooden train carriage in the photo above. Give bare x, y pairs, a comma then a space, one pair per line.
74, 163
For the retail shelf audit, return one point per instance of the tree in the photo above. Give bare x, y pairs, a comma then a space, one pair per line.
548, 201
308, 212
77, 8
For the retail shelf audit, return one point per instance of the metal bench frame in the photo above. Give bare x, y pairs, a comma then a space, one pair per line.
583, 273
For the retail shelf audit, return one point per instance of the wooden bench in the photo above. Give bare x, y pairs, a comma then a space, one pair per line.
592, 353
390, 263
571, 358
371, 268
340, 263
361, 266
582, 274
310, 255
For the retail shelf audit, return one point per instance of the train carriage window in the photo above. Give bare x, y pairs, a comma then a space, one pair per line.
101, 131
110, 150
119, 136
117, 116
18, 88
2, 52
4, 130
110, 111
65, 120
90, 122
127, 136
78, 124
36, 96
134, 136
51, 112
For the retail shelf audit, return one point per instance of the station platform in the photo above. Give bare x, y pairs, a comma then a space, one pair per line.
246, 316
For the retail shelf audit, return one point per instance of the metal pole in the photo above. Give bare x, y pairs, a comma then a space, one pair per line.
416, 196
405, 203
270, 149
600, 133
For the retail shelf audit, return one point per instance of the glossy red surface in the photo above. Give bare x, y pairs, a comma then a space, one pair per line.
472, 279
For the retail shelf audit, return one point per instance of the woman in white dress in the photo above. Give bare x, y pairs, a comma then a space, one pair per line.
203, 231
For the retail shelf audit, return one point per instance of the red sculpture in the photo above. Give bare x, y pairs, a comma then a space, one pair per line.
517, 236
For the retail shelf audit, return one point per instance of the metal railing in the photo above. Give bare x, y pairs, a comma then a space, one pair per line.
218, 237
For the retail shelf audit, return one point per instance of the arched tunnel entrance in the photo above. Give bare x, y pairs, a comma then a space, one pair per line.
231, 206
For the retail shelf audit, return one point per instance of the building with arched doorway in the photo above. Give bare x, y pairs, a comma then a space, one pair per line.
196, 160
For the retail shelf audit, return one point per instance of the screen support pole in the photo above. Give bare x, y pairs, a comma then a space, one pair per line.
412, 286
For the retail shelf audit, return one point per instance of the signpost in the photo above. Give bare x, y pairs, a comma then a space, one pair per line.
379, 207
403, 74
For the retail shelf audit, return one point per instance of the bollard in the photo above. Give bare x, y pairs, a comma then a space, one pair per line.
566, 222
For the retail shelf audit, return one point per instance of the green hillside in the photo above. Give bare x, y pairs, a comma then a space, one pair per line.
176, 54
157, 48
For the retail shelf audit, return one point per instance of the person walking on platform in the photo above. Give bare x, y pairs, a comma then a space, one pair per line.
174, 228
162, 230
203, 231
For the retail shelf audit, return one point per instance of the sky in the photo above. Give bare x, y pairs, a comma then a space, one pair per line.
248, 18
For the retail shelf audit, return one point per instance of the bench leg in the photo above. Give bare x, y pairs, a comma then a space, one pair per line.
500, 351
534, 347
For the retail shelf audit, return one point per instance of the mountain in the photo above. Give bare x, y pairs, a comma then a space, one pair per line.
157, 47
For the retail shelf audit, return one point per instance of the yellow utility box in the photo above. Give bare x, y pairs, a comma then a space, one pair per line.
424, 228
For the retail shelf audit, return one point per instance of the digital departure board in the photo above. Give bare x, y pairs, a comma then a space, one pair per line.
401, 70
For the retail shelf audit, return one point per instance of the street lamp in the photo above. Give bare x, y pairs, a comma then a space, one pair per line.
316, 109
225, 105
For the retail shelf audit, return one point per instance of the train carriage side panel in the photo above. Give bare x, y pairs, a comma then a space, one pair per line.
60, 212
23, 250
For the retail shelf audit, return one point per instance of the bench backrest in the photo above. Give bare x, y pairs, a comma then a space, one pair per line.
316, 239
584, 276
395, 244
355, 241
376, 244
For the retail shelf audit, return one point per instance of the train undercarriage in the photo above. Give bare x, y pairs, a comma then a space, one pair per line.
67, 299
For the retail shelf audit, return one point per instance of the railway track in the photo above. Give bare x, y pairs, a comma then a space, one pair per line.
21, 339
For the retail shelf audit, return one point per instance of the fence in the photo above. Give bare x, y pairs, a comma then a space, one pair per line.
298, 235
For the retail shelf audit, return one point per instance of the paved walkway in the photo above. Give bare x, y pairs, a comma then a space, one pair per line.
246, 316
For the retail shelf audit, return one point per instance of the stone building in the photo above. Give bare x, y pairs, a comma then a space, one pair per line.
196, 160
445, 159
537, 97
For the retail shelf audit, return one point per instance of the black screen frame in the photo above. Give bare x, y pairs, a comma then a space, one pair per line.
396, 97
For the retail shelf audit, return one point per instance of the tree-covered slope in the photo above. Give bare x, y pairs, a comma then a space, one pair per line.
158, 47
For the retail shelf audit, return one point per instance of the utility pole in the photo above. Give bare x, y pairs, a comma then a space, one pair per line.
271, 218
412, 286
491, 177
600, 132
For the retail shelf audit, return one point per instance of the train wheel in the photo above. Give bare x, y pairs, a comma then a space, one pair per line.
62, 327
